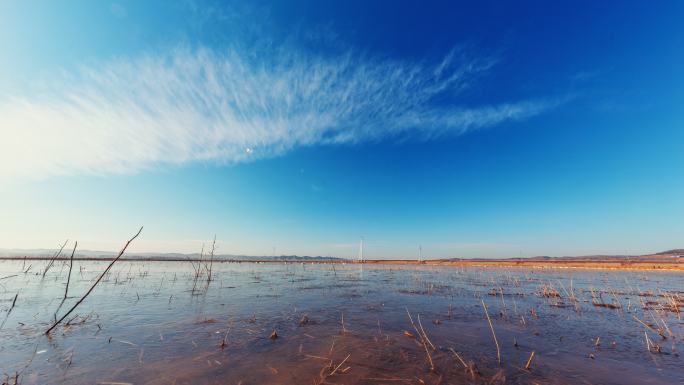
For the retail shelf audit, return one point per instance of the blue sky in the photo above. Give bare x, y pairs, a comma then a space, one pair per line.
475, 129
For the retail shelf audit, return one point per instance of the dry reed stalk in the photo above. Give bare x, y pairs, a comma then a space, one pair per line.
498, 351
470, 367
529, 361
198, 268
14, 302
317, 357
649, 327
96, 282
332, 347
650, 346
563, 288
616, 301
71, 265
425, 334
338, 366
422, 340
667, 329
211, 260
385, 379
465, 366
54, 257
223, 341
344, 330
9, 276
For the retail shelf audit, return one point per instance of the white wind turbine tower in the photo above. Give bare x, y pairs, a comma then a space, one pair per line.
361, 250
420, 254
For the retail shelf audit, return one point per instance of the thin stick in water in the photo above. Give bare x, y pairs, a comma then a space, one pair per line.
498, 351
71, 264
14, 302
94, 284
54, 257
529, 361
211, 261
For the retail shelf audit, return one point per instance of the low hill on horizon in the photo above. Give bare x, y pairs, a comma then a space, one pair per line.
94, 254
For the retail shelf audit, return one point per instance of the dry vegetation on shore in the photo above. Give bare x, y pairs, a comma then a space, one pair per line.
546, 264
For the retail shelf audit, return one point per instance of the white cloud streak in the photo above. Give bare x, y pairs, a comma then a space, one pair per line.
199, 105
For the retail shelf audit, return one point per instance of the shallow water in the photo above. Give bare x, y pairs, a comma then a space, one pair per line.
338, 324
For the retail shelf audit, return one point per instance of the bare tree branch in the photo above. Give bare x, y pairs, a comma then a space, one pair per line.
94, 284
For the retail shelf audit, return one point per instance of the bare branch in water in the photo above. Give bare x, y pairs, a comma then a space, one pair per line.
71, 265
498, 351
94, 284
54, 257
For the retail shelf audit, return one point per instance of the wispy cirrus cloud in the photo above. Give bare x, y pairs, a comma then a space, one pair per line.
201, 105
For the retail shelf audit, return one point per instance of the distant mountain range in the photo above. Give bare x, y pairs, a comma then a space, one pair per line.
669, 254
672, 252
94, 254
661, 256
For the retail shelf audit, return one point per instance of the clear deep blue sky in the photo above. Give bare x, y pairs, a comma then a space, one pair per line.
474, 129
